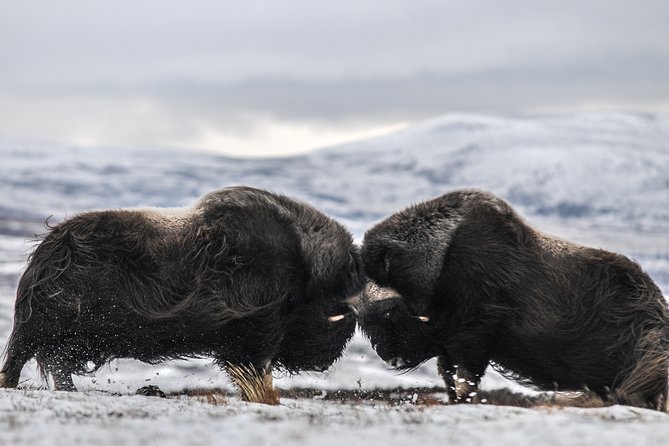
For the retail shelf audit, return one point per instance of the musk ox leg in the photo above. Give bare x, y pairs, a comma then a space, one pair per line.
646, 385
62, 380
462, 378
11, 370
461, 382
466, 385
447, 371
255, 383
462, 374
61, 371
653, 396
18, 352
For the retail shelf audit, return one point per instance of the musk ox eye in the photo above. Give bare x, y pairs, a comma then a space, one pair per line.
422, 318
337, 317
387, 315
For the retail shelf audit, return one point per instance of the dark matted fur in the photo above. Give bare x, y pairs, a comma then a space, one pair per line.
245, 276
559, 315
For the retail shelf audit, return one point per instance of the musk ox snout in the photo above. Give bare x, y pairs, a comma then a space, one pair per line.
398, 336
316, 337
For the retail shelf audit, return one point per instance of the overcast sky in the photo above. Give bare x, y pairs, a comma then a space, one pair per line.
257, 77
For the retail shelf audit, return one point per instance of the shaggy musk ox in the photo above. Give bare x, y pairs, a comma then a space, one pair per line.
253, 279
463, 278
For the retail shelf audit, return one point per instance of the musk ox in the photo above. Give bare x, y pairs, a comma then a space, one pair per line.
463, 278
253, 279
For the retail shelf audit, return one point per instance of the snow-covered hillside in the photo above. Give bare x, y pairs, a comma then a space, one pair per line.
601, 179
609, 170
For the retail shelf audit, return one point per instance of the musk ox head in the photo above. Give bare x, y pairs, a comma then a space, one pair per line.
319, 328
316, 337
320, 322
399, 336
405, 252
403, 256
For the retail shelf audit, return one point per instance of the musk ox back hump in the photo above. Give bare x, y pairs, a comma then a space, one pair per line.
320, 238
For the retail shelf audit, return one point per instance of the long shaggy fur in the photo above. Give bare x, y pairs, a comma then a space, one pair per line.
245, 276
556, 314
254, 385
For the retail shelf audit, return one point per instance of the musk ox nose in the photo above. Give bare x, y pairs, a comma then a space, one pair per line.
396, 362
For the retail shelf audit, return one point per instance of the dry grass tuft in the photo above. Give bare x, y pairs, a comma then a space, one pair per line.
215, 397
256, 387
506, 397
417, 396
435, 396
427, 400
585, 400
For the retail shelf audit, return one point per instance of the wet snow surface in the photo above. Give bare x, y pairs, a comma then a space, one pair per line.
600, 179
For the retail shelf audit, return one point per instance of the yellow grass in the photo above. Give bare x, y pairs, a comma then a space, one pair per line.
255, 387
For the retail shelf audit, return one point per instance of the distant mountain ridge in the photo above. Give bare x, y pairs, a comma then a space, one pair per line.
602, 170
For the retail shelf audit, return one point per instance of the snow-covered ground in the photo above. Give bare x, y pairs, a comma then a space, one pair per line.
47, 418
601, 179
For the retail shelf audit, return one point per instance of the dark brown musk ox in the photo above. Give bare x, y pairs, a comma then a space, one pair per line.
253, 279
463, 278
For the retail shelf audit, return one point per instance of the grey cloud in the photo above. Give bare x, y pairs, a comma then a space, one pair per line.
146, 40
223, 63
614, 77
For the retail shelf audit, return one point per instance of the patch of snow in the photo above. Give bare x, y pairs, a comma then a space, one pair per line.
57, 418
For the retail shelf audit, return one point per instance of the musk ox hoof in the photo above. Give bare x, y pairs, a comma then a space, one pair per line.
396, 362
5, 381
